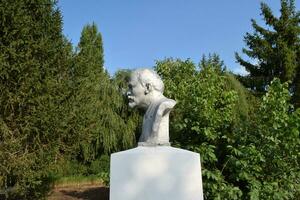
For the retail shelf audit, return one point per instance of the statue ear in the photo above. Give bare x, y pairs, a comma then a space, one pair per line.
148, 87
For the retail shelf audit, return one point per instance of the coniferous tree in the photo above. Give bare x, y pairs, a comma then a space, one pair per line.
34, 58
275, 50
97, 102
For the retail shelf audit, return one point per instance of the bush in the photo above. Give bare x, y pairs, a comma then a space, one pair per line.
253, 155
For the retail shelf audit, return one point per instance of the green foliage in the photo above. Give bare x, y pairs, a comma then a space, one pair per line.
249, 149
278, 142
100, 117
34, 59
268, 152
78, 180
266, 161
61, 114
100, 165
247, 103
203, 117
276, 50
68, 171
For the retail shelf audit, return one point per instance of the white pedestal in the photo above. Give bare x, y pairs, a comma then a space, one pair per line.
155, 173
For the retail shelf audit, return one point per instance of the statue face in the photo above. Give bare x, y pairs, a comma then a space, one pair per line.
136, 93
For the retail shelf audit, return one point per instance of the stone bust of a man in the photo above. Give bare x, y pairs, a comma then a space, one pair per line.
146, 92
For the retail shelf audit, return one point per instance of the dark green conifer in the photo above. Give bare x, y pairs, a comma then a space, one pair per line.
34, 58
274, 50
97, 104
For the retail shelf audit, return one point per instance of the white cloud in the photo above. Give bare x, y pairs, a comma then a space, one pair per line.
240, 70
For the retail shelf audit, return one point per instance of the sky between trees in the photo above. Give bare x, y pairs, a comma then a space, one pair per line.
137, 33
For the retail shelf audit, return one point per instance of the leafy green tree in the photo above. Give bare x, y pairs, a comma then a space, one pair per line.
203, 118
249, 156
279, 143
274, 50
97, 104
265, 164
34, 61
212, 61
246, 101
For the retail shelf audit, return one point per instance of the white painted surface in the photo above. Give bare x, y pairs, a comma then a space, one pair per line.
155, 173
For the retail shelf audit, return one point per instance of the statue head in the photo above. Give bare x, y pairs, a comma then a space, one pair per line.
145, 86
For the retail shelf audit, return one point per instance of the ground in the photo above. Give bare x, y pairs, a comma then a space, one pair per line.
80, 192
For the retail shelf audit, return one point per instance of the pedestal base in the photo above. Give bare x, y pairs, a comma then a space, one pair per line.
155, 173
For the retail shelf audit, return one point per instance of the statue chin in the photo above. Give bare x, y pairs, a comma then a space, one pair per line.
132, 104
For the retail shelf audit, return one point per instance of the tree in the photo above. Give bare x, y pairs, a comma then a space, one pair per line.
275, 50
97, 103
203, 118
34, 61
249, 156
265, 164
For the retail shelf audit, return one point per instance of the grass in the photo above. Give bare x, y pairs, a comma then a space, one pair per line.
73, 181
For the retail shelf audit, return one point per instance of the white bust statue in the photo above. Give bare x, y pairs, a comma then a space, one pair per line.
146, 92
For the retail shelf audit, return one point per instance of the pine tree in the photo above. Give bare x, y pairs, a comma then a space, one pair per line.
275, 50
97, 103
34, 58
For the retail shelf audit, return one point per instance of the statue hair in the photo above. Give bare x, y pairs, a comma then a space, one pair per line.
149, 76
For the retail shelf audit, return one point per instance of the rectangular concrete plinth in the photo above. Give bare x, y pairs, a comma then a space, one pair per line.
155, 173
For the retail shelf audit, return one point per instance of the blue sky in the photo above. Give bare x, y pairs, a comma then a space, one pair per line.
136, 33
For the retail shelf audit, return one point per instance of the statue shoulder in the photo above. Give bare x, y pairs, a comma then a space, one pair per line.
166, 105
